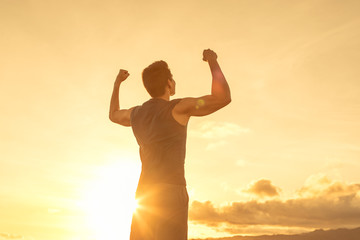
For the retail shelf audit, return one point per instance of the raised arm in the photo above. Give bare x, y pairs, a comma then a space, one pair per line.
220, 94
117, 115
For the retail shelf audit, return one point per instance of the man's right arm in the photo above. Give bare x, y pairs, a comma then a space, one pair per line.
117, 115
220, 94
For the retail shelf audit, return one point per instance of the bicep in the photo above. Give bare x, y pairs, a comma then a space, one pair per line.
200, 106
122, 117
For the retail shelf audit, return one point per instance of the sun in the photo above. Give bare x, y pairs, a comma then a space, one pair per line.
110, 200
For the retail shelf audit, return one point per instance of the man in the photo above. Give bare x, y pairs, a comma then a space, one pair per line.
159, 126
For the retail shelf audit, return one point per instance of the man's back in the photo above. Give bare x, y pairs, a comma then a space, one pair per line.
162, 142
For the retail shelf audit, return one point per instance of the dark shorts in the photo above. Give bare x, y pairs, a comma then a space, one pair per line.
162, 213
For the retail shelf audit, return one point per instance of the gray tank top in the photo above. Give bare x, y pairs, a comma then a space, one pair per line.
162, 142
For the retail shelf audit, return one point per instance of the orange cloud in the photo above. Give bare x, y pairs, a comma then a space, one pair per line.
321, 185
263, 188
337, 204
205, 212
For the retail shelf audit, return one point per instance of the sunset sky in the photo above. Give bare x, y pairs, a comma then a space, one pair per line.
283, 157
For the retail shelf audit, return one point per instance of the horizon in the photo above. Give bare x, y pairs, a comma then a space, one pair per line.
281, 158
320, 234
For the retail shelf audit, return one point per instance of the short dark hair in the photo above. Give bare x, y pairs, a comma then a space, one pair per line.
155, 78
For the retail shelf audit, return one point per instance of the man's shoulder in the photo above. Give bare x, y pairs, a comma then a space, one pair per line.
178, 112
176, 100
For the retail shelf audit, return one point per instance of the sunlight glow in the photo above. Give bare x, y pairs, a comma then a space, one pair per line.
110, 200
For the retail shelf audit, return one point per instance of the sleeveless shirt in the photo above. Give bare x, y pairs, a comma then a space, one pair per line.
162, 142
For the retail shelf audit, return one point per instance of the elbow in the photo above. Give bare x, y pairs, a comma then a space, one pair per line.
227, 100
111, 118
224, 102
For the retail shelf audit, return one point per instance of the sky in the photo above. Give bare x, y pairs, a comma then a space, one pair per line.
282, 157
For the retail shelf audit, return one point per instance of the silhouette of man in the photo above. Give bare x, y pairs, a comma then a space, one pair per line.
160, 126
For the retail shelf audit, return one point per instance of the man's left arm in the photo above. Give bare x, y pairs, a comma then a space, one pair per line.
117, 115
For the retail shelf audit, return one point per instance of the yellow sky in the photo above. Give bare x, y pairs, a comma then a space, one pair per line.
281, 155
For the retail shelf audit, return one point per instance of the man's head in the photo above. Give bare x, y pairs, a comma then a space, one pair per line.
157, 78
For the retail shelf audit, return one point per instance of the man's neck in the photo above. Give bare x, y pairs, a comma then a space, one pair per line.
166, 97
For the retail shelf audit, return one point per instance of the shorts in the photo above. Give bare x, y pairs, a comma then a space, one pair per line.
162, 213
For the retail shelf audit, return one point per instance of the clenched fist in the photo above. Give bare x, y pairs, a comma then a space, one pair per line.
209, 55
122, 76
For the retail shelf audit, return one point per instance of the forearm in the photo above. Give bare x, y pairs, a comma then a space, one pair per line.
220, 87
114, 103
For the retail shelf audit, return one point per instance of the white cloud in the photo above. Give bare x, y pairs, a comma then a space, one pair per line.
216, 130
241, 163
215, 145
53, 210
8, 236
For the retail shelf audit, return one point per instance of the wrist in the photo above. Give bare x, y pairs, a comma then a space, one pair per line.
117, 84
212, 61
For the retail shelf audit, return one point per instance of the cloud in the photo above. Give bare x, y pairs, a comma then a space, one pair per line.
205, 211
263, 188
321, 185
7, 236
215, 145
241, 163
334, 204
216, 130
53, 210
322, 213
262, 229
